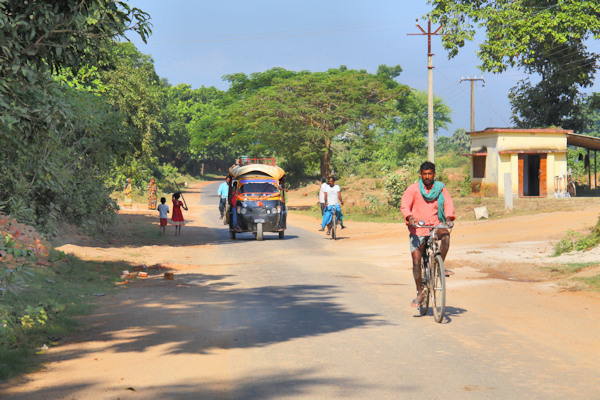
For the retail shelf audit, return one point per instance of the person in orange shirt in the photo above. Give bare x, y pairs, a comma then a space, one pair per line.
429, 201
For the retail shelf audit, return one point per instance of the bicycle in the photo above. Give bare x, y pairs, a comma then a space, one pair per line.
433, 274
572, 188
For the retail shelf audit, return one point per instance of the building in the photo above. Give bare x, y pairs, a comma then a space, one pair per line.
533, 162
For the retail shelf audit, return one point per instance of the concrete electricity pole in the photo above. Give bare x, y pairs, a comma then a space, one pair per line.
472, 80
430, 128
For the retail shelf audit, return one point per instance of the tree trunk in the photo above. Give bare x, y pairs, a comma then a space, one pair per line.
326, 160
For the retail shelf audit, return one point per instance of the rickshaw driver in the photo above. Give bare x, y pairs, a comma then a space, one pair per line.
333, 199
427, 200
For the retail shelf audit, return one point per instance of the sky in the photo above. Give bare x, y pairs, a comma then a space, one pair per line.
196, 42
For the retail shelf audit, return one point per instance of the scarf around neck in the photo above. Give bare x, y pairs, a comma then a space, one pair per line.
435, 193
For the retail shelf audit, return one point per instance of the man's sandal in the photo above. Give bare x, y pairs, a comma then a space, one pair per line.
449, 272
416, 303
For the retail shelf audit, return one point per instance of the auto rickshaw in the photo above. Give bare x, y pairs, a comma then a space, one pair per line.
256, 200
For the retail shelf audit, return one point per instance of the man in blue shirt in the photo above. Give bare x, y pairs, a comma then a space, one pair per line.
223, 193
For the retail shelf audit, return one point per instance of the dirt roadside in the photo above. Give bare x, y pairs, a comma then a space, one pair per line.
498, 278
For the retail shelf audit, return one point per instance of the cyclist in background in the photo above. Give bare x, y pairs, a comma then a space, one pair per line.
333, 199
429, 201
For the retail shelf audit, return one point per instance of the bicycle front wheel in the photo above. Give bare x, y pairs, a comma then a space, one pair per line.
572, 189
438, 288
425, 278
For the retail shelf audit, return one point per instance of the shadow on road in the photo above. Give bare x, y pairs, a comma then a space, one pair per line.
197, 313
260, 385
448, 314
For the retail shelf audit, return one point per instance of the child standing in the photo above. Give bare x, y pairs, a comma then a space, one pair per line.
163, 210
177, 217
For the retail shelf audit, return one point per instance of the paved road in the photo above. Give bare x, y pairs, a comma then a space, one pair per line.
295, 318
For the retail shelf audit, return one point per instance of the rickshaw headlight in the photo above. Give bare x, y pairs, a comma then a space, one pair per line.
268, 211
244, 210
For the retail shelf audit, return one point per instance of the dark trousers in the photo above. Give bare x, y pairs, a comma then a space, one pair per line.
222, 204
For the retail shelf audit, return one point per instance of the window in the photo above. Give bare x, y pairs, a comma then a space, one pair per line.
479, 166
258, 187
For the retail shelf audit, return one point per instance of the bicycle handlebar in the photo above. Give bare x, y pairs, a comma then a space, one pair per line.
435, 227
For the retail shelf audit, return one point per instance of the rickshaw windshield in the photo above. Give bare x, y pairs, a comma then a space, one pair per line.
258, 187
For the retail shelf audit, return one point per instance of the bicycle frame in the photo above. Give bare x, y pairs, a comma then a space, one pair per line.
433, 279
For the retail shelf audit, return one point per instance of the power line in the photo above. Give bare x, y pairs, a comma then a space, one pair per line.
285, 34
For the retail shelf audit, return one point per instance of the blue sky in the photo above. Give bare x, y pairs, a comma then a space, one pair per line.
198, 41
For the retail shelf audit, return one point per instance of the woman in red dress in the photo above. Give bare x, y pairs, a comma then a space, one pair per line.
177, 218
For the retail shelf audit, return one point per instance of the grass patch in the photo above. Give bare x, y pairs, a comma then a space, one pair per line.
568, 269
577, 241
592, 282
45, 310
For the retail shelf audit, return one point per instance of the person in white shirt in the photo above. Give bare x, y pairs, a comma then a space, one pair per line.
322, 190
333, 199
163, 210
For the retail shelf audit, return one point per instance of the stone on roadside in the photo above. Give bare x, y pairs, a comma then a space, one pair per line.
481, 212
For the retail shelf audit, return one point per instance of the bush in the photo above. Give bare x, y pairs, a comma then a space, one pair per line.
465, 186
577, 241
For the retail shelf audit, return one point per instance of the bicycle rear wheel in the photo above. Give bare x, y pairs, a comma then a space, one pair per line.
572, 189
424, 307
438, 288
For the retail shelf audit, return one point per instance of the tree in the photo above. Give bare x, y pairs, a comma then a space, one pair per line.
304, 113
460, 139
132, 87
543, 37
405, 135
191, 118
57, 143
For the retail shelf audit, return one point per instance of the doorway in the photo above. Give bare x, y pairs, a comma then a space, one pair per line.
532, 175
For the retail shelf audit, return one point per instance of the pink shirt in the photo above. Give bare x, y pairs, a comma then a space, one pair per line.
413, 204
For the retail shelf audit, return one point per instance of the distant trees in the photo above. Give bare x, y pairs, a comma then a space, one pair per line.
304, 113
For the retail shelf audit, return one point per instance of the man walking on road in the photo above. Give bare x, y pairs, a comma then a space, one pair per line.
222, 193
322, 190
426, 200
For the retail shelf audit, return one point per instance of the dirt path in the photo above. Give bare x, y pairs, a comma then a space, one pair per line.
149, 342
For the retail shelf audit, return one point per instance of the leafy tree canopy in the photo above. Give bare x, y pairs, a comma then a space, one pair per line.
304, 112
58, 143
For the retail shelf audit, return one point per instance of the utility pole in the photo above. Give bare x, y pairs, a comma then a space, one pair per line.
430, 129
472, 80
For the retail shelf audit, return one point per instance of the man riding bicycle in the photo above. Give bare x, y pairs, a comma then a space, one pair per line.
333, 199
426, 200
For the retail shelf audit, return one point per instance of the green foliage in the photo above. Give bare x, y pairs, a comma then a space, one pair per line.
303, 113
43, 310
132, 89
58, 142
577, 241
541, 37
397, 182
405, 136
568, 269
591, 281
465, 186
